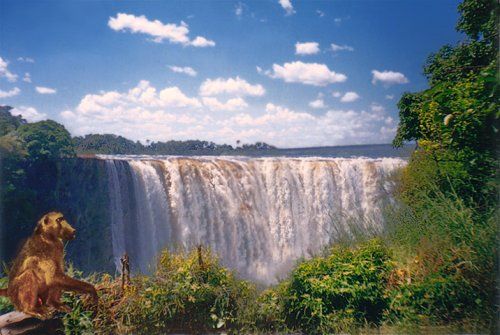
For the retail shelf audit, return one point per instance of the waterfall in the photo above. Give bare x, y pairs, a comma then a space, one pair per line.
258, 214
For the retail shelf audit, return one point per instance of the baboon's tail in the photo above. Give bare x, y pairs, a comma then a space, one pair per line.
3, 292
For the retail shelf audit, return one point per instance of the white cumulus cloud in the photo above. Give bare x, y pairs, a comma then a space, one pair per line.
45, 90
160, 114
287, 6
184, 69
350, 97
29, 113
141, 113
4, 71
11, 93
159, 31
317, 104
375, 107
231, 105
306, 73
231, 86
285, 127
306, 48
388, 77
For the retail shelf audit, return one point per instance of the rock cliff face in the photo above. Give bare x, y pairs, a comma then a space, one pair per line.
76, 187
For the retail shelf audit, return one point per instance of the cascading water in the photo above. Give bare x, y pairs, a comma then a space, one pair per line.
258, 214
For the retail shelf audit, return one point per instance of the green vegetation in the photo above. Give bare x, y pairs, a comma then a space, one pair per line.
112, 144
188, 292
345, 289
455, 121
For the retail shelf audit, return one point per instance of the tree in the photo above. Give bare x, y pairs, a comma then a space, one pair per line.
9, 122
455, 120
46, 140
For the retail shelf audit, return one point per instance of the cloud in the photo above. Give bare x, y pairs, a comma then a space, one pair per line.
160, 114
231, 86
288, 128
4, 71
389, 96
336, 94
231, 105
141, 113
25, 60
306, 73
320, 13
201, 42
350, 97
335, 47
238, 9
388, 77
45, 90
186, 70
27, 77
177, 34
7, 94
306, 48
337, 20
317, 104
287, 6
376, 108
29, 113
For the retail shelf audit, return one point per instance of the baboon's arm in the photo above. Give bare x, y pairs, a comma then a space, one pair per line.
66, 283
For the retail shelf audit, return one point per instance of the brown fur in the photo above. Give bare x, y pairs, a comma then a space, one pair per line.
37, 278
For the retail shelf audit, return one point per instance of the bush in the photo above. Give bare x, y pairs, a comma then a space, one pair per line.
447, 252
265, 312
5, 305
340, 291
188, 292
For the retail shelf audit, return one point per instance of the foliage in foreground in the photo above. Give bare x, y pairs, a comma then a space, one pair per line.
190, 292
340, 291
434, 268
446, 256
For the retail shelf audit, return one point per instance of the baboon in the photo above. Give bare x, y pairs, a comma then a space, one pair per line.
37, 278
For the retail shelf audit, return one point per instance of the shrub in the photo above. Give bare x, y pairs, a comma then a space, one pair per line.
448, 251
265, 312
5, 305
340, 291
187, 292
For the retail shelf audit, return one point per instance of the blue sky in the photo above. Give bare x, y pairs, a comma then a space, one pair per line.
290, 73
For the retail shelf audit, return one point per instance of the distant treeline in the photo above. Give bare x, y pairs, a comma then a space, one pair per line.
113, 144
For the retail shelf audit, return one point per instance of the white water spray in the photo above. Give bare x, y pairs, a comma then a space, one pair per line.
258, 214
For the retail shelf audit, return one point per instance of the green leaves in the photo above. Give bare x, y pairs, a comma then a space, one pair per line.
456, 119
46, 140
349, 282
182, 294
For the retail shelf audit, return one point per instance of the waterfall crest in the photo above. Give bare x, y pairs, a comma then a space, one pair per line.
258, 214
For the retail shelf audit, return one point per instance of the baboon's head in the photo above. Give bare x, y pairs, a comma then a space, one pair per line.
54, 225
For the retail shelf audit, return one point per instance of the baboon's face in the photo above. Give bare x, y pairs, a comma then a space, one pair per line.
55, 225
